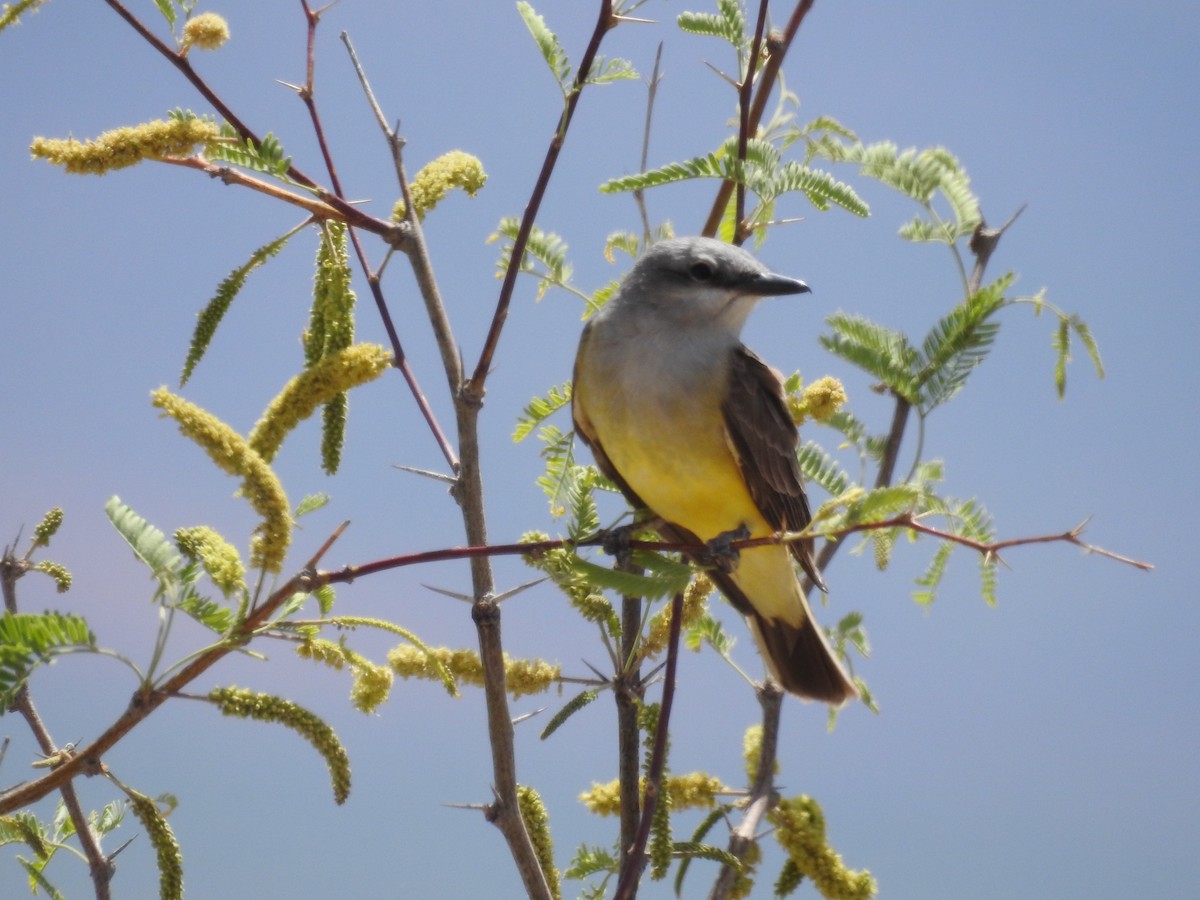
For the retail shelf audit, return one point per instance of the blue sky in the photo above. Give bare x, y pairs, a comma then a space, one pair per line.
1041, 748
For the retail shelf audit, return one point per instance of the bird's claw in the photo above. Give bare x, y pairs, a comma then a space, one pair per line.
720, 554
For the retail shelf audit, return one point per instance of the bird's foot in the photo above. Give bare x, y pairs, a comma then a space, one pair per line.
616, 543
720, 554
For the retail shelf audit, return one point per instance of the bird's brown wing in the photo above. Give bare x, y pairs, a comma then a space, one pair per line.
764, 440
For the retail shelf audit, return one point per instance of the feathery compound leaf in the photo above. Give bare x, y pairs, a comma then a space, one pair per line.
819, 187
540, 409
1062, 351
208, 613
210, 317
711, 25
698, 835
820, 468
606, 71
932, 577
541, 246
149, 544
875, 349
578, 702
267, 157
959, 342
26, 640
710, 166
1089, 343
987, 578
547, 41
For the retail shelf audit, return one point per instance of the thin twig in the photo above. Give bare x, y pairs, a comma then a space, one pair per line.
778, 46
635, 862
474, 388
745, 95
628, 691
763, 795
639, 196
100, 867
88, 759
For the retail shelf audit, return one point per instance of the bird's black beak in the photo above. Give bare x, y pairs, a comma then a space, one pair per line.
771, 285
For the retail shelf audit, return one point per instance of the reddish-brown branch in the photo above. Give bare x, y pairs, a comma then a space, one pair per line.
778, 46
635, 861
87, 760
473, 390
400, 359
905, 520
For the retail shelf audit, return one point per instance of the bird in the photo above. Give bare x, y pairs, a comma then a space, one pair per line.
694, 427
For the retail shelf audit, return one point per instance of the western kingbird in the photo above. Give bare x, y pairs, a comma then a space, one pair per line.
694, 427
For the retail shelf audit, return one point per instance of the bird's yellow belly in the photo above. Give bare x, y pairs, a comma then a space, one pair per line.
683, 469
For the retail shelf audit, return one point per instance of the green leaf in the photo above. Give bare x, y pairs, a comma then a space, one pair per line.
149, 544
208, 613
547, 42
309, 504
710, 166
28, 640
876, 349
708, 630
819, 187
578, 702
590, 860
167, 8
540, 408
606, 71
628, 584
933, 574
1089, 343
267, 157
820, 468
210, 317
698, 835
959, 342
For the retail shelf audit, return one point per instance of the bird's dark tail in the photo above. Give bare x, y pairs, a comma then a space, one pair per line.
801, 660
798, 656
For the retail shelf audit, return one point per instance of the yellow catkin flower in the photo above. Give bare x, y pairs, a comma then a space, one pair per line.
330, 653
522, 676
697, 790
57, 571
233, 454
752, 752
372, 685
602, 799
233, 701
123, 147
10, 14
48, 527
455, 169
800, 830
819, 400
219, 557
695, 604
824, 397
537, 823
162, 839
743, 882
207, 31
301, 396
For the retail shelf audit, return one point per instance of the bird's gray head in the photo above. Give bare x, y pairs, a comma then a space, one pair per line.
696, 280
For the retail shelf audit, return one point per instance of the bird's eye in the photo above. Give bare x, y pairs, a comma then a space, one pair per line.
701, 271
